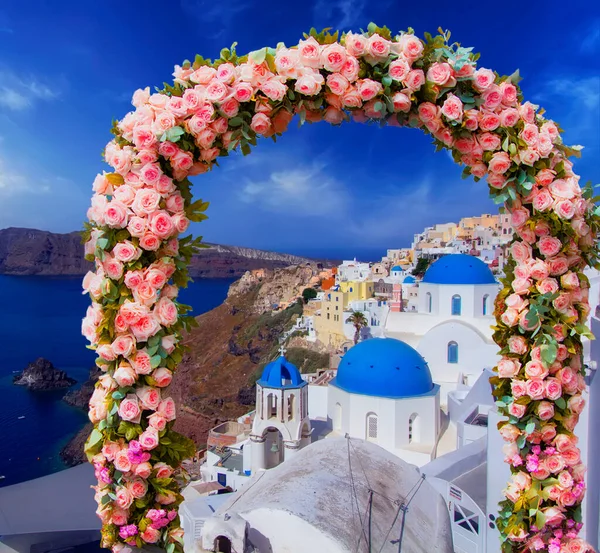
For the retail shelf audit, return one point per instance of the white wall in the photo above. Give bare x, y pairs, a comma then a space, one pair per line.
471, 298
392, 422
317, 401
474, 354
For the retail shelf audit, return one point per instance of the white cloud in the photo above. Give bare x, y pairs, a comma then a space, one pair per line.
220, 15
303, 190
341, 14
579, 90
591, 38
20, 93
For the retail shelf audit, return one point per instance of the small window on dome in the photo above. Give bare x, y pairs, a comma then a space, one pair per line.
372, 427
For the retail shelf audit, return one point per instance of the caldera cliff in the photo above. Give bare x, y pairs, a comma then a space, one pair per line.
38, 252
216, 379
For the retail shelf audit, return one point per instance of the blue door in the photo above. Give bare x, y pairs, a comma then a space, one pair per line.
222, 479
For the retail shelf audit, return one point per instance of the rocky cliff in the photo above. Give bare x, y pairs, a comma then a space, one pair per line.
42, 375
37, 252
215, 381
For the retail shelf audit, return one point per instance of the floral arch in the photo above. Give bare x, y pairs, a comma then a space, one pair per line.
140, 208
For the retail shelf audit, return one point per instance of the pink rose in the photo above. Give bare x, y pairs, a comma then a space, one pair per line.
535, 388
516, 410
149, 439
483, 79
158, 422
565, 209
163, 470
123, 345
545, 410
216, 91
368, 89
527, 112
129, 409
520, 251
398, 69
440, 73
167, 409
149, 397
576, 404
261, 124
149, 242
547, 286
141, 362
479, 170
517, 344
401, 102
337, 83
378, 47
122, 462
508, 367
116, 214
549, 246
510, 317
414, 80
489, 141
143, 470
542, 200
530, 134
535, 369
161, 224
521, 285
453, 108
166, 498
355, 44
144, 294
162, 376
553, 389
333, 57
553, 516
518, 388
412, 47
274, 89
150, 535
166, 311
350, 69
145, 327
509, 117
558, 265
489, 121
510, 433
113, 268
471, 120
562, 303
514, 301
500, 163
309, 84
496, 180
309, 51
119, 516
124, 375
519, 216
138, 488
428, 112
528, 157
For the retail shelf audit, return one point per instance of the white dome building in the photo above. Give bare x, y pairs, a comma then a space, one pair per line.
452, 326
383, 393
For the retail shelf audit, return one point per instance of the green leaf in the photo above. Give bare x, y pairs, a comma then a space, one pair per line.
94, 439
118, 395
386, 81
549, 352
530, 427
521, 442
540, 519
560, 403
172, 135
102, 243
258, 56
105, 499
235, 121
155, 361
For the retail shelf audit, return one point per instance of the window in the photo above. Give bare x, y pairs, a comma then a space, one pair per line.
485, 304
452, 352
466, 519
271, 406
371, 427
337, 298
456, 305
337, 307
350, 288
429, 302
291, 401
327, 316
414, 430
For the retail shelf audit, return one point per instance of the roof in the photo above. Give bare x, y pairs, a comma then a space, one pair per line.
326, 486
458, 269
58, 502
384, 367
281, 374
409, 280
396, 268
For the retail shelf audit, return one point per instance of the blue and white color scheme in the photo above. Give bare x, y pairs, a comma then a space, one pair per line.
451, 327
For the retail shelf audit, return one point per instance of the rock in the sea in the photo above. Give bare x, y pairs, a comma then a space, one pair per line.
80, 398
42, 375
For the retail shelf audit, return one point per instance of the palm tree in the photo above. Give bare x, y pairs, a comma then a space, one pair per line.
359, 321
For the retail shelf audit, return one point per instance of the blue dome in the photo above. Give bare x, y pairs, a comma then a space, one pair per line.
396, 268
384, 367
409, 280
281, 374
459, 268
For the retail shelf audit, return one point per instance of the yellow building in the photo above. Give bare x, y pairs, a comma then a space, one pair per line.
469, 224
329, 325
357, 290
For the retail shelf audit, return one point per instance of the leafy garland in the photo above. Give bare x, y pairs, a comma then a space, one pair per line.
135, 322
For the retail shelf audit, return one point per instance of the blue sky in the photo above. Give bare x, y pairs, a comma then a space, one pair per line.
68, 68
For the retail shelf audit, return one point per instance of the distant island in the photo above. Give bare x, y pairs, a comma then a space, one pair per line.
41, 375
37, 252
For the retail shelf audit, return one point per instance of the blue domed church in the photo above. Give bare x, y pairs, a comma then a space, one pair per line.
384, 393
451, 328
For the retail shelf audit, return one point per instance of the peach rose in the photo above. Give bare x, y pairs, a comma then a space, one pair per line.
124, 498
518, 388
516, 410
333, 57
545, 410
553, 516
398, 69
122, 462
162, 376
440, 73
143, 470
414, 80
510, 432
166, 312
150, 535
124, 376
576, 404
119, 516
129, 409
517, 344
138, 488
149, 439
167, 408
510, 317
508, 367
535, 388
500, 163
157, 422
123, 345
452, 109
553, 389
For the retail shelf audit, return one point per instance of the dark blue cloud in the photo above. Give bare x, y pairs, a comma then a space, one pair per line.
320, 189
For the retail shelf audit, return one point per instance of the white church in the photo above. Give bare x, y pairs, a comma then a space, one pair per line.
406, 424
